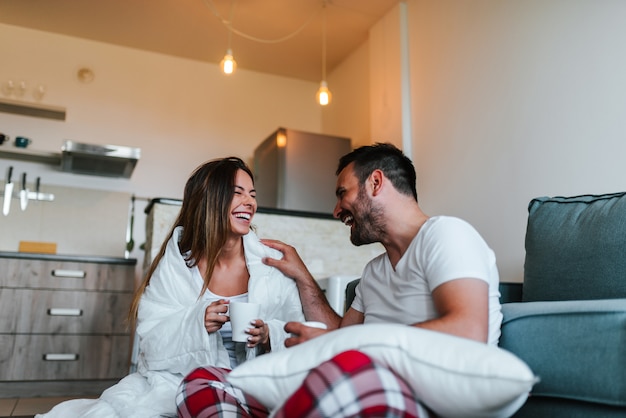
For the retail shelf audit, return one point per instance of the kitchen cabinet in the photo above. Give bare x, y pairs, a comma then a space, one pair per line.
63, 326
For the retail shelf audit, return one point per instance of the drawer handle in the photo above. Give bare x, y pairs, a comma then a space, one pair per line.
65, 312
60, 357
78, 274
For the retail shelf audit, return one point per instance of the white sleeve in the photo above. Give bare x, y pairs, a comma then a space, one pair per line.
455, 250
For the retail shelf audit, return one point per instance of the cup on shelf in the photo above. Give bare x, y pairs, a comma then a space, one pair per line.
3, 138
22, 141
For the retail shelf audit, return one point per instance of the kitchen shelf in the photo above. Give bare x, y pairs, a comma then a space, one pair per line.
32, 109
41, 157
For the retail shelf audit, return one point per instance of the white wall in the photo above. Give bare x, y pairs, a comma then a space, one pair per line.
510, 100
513, 100
349, 113
385, 81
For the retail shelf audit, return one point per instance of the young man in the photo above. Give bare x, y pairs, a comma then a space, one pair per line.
436, 273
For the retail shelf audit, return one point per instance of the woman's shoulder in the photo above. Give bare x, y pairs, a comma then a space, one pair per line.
254, 247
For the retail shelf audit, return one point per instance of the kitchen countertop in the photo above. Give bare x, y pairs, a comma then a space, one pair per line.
68, 257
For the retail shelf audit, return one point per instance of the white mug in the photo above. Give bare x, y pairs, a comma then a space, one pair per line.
315, 324
241, 316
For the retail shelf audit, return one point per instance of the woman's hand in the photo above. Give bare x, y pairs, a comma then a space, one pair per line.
259, 334
215, 315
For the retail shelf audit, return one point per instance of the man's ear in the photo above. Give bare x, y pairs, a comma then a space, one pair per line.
376, 180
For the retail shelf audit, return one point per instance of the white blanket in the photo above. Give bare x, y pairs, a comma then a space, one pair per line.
172, 337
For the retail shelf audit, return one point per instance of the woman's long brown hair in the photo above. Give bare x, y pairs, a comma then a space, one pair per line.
205, 218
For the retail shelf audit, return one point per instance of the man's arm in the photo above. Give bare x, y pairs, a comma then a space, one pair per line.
314, 302
352, 317
463, 307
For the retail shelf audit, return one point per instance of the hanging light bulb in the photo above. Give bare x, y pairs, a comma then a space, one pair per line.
228, 64
323, 95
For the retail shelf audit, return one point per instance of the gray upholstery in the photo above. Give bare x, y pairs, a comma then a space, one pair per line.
576, 248
571, 326
575, 347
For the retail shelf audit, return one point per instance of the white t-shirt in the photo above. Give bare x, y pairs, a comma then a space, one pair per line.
444, 249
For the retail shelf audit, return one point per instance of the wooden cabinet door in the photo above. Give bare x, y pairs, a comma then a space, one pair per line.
58, 357
38, 311
50, 274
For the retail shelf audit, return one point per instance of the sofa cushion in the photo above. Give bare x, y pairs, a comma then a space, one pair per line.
575, 347
576, 248
453, 376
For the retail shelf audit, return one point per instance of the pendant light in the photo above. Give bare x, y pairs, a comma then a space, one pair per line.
228, 63
323, 95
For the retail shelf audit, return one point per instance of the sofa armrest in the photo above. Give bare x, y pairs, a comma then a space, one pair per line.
350, 293
575, 347
510, 292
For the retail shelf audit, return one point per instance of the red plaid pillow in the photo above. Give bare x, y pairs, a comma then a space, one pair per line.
352, 385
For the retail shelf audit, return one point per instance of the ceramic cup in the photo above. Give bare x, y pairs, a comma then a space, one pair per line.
22, 141
315, 324
241, 314
3, 138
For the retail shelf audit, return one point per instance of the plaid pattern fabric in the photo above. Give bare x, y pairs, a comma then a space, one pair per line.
348, 385
352, 385
205, 393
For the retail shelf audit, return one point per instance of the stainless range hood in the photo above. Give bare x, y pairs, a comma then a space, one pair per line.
99, 160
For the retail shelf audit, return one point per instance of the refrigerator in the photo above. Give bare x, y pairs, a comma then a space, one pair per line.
295, 170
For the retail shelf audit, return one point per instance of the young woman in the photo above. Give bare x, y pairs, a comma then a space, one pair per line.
210, 258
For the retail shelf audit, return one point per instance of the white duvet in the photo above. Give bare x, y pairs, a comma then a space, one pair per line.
172, 337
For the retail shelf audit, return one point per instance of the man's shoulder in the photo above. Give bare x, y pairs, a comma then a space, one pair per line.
375, 264
443, 224
446, 220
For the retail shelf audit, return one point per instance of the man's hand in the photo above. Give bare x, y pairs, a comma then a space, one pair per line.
301, 333
314, 302
291, 265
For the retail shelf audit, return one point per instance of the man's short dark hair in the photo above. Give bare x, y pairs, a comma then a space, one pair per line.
396, 166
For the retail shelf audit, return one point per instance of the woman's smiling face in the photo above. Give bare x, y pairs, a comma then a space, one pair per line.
243, 207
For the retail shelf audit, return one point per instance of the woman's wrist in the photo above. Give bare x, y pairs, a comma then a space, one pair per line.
267, 347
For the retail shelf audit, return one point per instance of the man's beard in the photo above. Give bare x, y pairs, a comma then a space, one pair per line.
368, 224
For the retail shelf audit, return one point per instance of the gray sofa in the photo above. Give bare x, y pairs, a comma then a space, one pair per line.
570, 325
567, 321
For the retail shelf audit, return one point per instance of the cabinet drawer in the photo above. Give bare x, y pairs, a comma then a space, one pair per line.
63, 311
23, 357
15, 272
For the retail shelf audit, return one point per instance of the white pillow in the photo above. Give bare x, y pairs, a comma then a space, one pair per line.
453, 376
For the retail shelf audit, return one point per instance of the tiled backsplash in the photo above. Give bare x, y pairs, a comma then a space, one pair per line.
80, 221
323, 243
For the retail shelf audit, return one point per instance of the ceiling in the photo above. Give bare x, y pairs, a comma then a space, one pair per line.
195, 29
